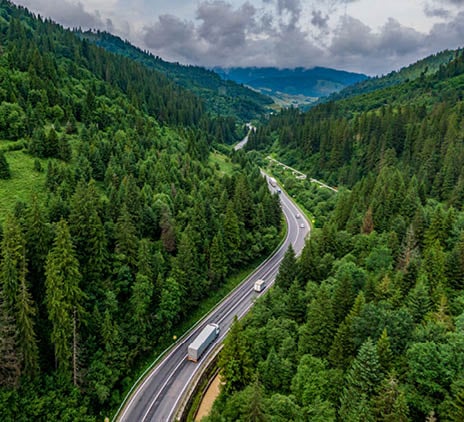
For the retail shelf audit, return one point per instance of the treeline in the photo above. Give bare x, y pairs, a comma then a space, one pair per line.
133, 229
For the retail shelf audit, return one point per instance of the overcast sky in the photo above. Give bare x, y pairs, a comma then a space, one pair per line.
369, 36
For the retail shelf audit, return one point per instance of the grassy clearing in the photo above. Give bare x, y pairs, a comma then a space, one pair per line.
222, 163
24, 181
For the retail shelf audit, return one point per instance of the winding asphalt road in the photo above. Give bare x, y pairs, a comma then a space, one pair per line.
157, 397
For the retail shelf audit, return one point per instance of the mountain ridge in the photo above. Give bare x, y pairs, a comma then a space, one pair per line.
310, 83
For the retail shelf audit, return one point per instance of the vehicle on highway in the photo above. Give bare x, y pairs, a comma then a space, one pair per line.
272, 182
298, 216
279, 190
203, 340
259, 285
302, 225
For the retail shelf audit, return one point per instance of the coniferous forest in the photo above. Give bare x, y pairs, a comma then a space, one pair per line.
117, 222
129, 224
367, 325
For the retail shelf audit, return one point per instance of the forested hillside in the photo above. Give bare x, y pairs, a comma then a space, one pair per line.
426, 66
222, 98
128, 227
367, 325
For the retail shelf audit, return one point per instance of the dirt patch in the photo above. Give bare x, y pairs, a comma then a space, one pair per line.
208, 398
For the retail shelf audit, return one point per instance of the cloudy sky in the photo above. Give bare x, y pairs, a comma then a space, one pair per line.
369, 36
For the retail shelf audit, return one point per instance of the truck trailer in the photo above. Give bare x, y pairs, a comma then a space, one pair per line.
203, 340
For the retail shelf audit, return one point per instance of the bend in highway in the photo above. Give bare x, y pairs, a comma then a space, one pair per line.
158, 396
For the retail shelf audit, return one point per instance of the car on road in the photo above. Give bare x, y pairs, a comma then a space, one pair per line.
302, 226
297, 215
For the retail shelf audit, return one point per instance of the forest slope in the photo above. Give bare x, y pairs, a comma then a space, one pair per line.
224, 98
130, 226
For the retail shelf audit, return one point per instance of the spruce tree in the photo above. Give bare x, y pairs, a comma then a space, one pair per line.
384, 351
13, 269
232, 241
234, 360
63, 299
5, 172
288, 270
10, 362
390, 402
317, 335
217, 260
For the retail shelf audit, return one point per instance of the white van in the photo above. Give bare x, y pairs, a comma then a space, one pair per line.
259, 286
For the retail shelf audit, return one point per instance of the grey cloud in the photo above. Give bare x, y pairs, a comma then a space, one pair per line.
172, 38
437, 12
228, 36
356, 47
290, 12
67, 13
399, 40
319, 20
447, 34
223, 26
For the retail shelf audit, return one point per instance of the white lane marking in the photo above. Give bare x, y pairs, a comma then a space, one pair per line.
152, 402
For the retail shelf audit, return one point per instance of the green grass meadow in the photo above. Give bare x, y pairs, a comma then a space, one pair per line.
24, 181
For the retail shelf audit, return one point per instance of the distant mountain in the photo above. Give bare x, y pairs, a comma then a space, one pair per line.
294, 86
426, 66
222, 97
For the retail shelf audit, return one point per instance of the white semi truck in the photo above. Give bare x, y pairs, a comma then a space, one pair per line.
203, 340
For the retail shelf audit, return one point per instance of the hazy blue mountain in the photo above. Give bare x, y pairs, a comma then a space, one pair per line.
297, 86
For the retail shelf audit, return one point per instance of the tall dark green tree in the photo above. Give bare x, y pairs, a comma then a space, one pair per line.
288, 270
64, 299
234, 361
13, 269
217, 260
5, 172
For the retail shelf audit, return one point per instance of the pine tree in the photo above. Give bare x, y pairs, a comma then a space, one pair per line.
343, 348
316, 336
255, 409
126, 238
63, 299
5, 172
38, 238
13, 269
288, 270
384, 351
365, 371
10, 362
232, 241
390, 403
234, 360
419, 301
217, 260
88, 236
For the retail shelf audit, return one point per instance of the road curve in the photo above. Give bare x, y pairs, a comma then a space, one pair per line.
157, 396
